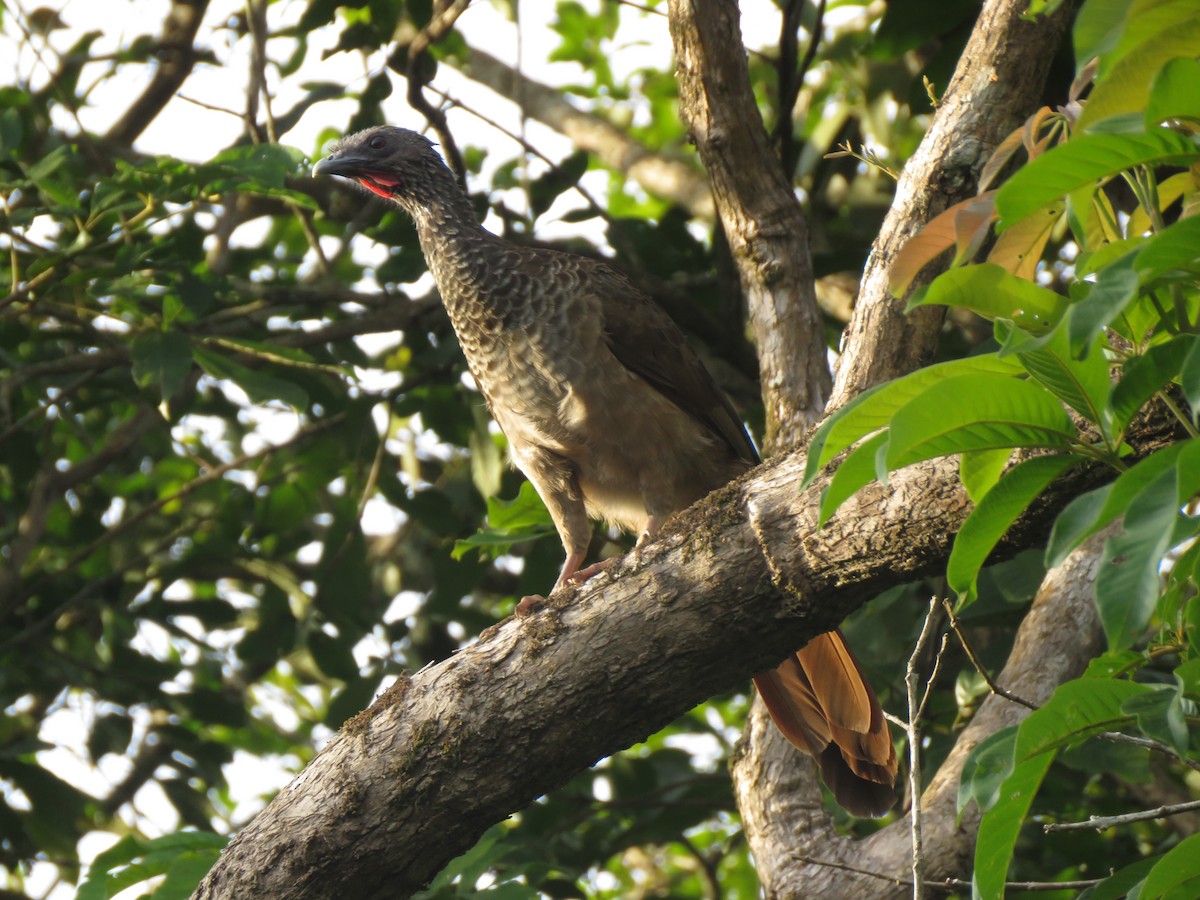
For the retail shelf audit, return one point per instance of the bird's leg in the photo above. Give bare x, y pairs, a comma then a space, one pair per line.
557, 484
577, 576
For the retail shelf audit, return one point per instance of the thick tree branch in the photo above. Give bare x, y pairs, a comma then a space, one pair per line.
801, 854
997, 84
734, 585
766, 230
177, 56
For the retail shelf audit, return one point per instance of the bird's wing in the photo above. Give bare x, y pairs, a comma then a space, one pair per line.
646, 341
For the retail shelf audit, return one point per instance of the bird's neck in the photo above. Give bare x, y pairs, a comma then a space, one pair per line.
465, 259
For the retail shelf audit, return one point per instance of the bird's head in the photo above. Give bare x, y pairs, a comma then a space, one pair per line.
387, 161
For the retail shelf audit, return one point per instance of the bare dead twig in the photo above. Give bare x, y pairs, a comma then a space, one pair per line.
1099, 823
915, 708
446, 13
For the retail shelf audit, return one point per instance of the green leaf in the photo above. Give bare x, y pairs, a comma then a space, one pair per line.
872, 409
986, 768
1077, 709
1176, 876
1175, 247
1098, 28
1122, 883
1083, 384
994, 293
524, 518
979, 470
1083, 160
1127, 585
1145, 375
1160, 716
999, 827
1114, 289
1090, 512
1124, 89
162, 360
268, 165
1174, 94
994, 515
977, 412
1189, 379
544, 190
856, 470
259, 387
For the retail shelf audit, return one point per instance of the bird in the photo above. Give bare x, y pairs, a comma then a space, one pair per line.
611, 415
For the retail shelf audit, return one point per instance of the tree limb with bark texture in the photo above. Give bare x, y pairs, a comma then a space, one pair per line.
734, 585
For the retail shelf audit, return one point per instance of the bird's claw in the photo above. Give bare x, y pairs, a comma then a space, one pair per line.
529, 605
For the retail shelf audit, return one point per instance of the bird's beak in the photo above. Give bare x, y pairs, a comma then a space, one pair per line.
347, 166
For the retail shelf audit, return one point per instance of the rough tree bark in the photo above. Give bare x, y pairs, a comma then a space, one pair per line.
995, 87
798, 851
763, 222
734, 585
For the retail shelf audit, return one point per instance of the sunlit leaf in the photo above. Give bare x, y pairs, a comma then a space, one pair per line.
977, 412
994, 293
994, 515
873, 409
1083, 160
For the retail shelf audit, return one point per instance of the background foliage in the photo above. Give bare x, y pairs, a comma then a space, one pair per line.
228, 515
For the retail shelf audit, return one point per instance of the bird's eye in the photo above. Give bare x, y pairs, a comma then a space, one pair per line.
377, 143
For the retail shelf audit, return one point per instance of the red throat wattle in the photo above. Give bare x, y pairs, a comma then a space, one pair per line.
377, 184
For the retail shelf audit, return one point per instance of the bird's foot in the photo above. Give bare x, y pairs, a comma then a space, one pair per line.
529, 605
581, 575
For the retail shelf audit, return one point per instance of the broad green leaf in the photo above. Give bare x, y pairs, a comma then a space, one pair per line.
1077, 709
1083, 160
1121, 884
1176, 876
1098, 28
259, 386
1146, 23
1175, 247
266, 164
1127, 584
1115, 288
1000, 825
856, 470
545, 189
1082, 384
1189, 379
1125, 89
872, 409
524, 518
992, 292
1174, 94
977, 412
1090, 512
1160, 715
979, 470
162, 360
986, 769
994, 515
1144, 375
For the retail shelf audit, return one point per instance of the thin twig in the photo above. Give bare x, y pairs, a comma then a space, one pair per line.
446, 13
970, 651
1099, 823
915, 707
1115, 737
953, 884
